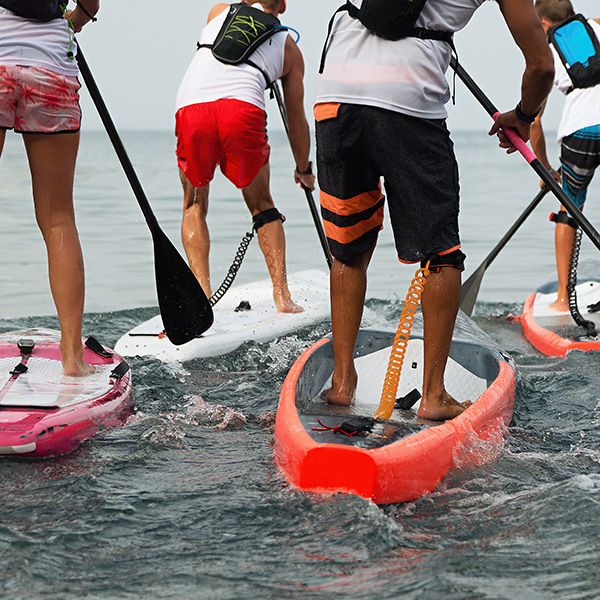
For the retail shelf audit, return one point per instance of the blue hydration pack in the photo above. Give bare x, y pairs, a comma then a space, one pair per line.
579, 49
40, 10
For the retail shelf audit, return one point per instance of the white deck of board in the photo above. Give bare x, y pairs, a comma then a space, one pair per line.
309, 289
460, 383
587, 293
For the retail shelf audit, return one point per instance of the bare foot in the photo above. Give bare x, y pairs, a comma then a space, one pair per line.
337, 398
559, 305
285, 304
441, 410
341, 394
76, 368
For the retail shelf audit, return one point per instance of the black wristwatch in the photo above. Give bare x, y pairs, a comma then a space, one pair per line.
523, 117
307, 172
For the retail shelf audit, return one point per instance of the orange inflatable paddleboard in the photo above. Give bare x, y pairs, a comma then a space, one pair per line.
555, 333
324, 448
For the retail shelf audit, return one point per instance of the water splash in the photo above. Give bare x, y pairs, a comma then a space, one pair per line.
218, 416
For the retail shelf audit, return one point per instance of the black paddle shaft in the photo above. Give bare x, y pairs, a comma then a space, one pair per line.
535, 164
309, 197
184, 307
116, 141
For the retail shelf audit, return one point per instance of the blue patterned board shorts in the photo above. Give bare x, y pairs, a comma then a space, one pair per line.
579, 158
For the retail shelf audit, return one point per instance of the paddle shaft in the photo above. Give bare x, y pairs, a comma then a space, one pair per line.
529, 156
309, 197
470, 288
111, 130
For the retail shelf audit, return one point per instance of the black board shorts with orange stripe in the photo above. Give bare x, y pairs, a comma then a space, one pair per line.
359, 145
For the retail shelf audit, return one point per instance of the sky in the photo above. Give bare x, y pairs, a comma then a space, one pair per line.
138, 51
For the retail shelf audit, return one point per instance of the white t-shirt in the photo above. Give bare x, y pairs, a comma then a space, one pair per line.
582, 106
32, 43
406, 76
208, 79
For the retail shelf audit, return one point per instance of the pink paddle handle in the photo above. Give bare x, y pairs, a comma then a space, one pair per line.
518, 142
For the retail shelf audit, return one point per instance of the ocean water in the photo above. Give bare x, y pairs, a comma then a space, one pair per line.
186, 501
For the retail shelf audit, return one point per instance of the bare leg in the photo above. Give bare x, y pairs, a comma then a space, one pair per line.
194, 231
2, 136
564, 235
348, 289
52, 164
271, 240
439, 304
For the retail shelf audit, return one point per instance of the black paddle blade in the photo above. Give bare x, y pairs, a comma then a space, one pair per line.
184, 307
469, 291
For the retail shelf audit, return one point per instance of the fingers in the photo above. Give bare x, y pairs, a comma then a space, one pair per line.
307, 181
509, 119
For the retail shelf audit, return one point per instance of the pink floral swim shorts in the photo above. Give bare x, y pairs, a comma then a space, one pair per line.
36, 100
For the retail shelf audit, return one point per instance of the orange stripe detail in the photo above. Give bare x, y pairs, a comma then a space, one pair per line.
326, 110
345, 235
413, 262
350, 206
448, 251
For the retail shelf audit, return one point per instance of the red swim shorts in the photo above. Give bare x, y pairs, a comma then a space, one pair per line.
229, 133
36, 100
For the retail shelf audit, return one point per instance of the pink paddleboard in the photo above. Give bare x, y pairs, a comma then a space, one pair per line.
44, 413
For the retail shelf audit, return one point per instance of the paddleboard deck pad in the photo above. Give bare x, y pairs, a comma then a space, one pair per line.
43, 412
555, 333
245, 313
324, 448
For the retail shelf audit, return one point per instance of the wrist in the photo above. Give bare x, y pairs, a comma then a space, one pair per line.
308, 170
83, 9
525, 117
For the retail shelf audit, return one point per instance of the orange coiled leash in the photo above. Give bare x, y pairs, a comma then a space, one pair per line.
392, 376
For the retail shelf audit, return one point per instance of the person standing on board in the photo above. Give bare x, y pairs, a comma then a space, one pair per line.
578, 137
39, 99
221, 120
380, 113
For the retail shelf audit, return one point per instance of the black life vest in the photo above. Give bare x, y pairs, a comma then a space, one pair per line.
245, 28
389, 19
40, 10
579, 49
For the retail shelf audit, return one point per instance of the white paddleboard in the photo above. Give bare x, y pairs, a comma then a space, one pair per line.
555, 333
231, 328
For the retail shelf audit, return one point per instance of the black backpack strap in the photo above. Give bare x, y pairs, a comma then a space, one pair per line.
353, 12
247, 61
442, 36
417, 32
433, 34
268, 81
